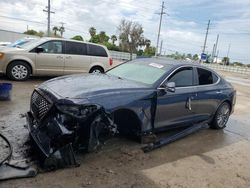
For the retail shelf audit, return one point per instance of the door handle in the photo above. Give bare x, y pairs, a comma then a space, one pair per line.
68, 57
59, 57
218, 92
188, 104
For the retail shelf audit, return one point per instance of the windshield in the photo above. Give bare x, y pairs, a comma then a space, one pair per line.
146, 74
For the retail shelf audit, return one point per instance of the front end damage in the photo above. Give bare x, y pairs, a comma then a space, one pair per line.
61, 127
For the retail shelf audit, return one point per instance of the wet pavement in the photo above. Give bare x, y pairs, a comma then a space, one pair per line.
120, 162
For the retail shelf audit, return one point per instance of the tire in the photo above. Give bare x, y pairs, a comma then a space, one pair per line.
96, 70
18, 70
221, 116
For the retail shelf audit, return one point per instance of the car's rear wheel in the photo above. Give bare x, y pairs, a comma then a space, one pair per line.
18, 70
221, 116
96, 70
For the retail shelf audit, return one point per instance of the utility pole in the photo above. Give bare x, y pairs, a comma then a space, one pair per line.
161, 47
62, 29
159, 31
216, 44
217, 56
48, 10
213, 52
205, 41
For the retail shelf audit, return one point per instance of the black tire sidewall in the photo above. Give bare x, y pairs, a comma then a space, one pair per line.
96, 68
214, 124
13, 64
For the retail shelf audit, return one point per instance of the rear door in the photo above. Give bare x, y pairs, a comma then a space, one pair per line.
208, 93
173, 108
98, 55
51, 60
76, 58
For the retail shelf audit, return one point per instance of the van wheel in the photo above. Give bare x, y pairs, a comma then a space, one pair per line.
18, 70
221, 116
96, 70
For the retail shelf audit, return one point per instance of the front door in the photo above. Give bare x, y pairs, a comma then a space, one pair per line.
175, 108
51, 60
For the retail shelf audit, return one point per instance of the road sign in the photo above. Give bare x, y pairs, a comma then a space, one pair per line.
203, 56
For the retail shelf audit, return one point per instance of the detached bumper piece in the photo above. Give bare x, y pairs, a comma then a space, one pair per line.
51, 158
169, 139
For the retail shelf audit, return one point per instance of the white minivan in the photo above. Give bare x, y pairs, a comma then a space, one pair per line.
53, 57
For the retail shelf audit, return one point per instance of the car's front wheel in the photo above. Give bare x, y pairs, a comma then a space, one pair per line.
18, 70
221, 116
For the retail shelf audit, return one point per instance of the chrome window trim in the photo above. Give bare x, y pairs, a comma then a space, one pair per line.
191, 66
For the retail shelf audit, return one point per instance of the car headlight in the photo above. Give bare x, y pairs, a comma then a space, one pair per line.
1, 55
79, 111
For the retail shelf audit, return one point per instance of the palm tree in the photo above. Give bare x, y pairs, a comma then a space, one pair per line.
55, 29
147, 43
62, 30
92, 31
113, 38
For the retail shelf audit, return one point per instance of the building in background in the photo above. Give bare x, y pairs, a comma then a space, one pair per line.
11, 36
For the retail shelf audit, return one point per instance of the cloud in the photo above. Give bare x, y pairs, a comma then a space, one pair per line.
183, 30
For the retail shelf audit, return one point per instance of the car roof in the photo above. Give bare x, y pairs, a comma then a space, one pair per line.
71, 40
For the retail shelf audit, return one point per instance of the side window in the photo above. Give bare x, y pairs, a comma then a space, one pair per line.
75, 48
52, 47
182, 77
95, 50
206, 77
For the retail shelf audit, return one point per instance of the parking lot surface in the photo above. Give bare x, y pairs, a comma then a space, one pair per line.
208, 158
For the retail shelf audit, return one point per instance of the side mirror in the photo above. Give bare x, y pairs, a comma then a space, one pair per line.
170, 86
39, 49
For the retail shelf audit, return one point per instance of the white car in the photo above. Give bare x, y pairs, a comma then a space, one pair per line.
53, 57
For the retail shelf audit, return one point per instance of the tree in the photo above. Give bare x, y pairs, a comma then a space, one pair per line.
92, 31
103, 37
77, 37
62, 30
130, 35
150, 51
147, 43
113, 38
195, 57
225, 60
33, 32
189, 56
55, 29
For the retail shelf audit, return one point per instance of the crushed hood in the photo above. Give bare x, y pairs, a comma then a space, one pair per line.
86, 85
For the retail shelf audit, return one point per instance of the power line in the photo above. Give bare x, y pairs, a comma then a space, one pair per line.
20, 19
49, 12
159, 31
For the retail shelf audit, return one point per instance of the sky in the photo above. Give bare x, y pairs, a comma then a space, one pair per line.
183, 27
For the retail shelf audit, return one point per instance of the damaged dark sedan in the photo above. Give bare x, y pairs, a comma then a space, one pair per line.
137, 98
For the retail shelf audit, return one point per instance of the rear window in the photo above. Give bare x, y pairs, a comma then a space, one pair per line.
206, 77
95, 50
76, 48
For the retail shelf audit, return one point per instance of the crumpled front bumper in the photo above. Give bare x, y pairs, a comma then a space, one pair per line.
41, 140
52, 158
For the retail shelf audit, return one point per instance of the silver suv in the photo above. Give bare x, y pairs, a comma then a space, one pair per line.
53, 57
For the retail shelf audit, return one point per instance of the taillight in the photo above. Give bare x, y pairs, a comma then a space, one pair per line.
110, 61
